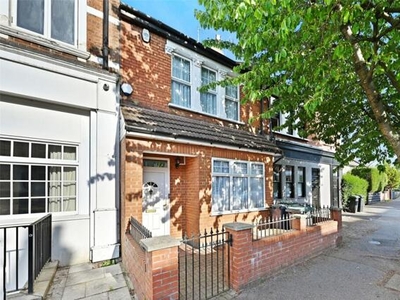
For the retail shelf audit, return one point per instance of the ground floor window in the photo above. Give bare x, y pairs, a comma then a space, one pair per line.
37, 177
289, 182
237, 185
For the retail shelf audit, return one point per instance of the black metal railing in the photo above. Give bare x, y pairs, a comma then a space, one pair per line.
138, 231
38, 237
204, 265
39, 248
318, 215
272, 226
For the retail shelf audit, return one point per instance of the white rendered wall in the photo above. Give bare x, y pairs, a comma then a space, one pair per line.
42, 98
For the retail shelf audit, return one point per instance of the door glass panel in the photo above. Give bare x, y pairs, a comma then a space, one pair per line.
20, 189
5, 190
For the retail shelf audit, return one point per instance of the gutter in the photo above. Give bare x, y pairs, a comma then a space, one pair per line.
150, 134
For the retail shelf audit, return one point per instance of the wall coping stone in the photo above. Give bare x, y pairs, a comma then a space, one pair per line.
238, 226
159, 242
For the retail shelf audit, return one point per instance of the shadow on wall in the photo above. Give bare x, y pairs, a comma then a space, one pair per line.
64, 254
104, 176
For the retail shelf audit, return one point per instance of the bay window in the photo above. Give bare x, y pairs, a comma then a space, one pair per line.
289, 176
237, 185
301, 182
37, 177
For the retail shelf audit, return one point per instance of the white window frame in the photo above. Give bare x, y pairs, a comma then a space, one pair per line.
231, 175
236, 100
182, 81
197, 62
212, 92
42, 162
8, 26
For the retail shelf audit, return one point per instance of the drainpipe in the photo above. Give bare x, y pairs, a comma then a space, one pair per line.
261, 119
105, 48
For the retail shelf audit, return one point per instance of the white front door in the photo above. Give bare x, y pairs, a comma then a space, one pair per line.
156, 206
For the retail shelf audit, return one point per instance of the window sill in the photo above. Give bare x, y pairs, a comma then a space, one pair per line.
43, 42
205, 114
216, 214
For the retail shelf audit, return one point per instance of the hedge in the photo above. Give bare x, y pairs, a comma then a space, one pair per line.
376, 180
353, 185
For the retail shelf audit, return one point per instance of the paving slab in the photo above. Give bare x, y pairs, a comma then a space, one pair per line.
394, 283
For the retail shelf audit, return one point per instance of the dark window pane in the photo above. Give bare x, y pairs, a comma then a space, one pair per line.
20, 206
5, 190
5, 172
5, 207
39, 150
38, 173
30, 15
38, 189
20, 189
38, 205
63, 20
20, 172
5, 148
21, 149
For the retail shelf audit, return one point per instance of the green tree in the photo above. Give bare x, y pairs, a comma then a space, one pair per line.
334, 65
393, 176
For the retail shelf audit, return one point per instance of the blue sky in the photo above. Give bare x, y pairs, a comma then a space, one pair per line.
178, 14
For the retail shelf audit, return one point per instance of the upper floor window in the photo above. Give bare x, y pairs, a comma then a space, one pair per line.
189, 73
37, 177
181, 90
232, 102
208, 100
54, 19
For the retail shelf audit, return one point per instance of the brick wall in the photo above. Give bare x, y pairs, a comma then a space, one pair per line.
190, 184
147, 68
154, 274
252, 260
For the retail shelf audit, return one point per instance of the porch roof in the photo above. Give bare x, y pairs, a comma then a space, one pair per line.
158, 123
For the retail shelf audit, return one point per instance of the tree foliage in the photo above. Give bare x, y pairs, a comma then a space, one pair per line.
334, 65
393, 176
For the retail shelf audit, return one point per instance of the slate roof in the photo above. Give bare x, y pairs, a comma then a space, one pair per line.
158, 123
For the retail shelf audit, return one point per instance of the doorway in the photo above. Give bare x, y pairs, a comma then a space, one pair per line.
155, 195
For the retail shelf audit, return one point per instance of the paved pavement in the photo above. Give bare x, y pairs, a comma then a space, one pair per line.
366, 266
83, 281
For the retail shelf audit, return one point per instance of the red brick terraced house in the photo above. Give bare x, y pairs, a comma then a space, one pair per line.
190, 160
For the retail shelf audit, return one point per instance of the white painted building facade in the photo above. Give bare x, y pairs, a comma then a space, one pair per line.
59, 149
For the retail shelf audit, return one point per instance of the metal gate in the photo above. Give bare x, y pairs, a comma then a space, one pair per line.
204, 265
